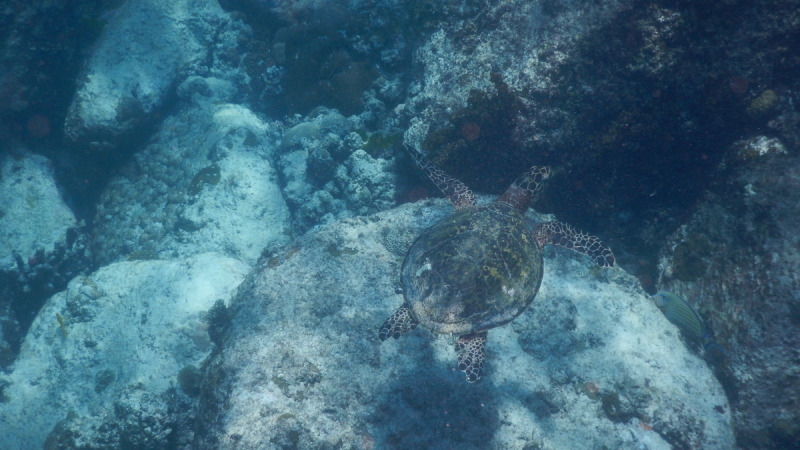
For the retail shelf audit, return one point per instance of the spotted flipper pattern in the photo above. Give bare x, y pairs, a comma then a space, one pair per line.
399, 323
470, 355
459, 194
561, 234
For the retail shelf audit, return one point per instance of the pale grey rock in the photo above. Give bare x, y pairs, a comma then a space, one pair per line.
42, 246
145, 47
205, 183
33, 215
591, 364
9, 334
129, 329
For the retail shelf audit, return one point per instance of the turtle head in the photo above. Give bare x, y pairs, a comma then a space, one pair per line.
532, 180
525, 189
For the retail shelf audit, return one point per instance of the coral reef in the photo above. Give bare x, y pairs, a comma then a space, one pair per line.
327, 173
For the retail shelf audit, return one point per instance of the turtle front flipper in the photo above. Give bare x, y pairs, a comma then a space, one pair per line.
470, 355
398, 323
459, 194
561, 234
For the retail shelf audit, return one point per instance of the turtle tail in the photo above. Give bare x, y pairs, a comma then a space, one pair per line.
561, 234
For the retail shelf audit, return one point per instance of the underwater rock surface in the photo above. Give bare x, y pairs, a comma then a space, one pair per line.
33, 215
592, 363
742, 259
101, 363
205, 183
137, 61
42, 245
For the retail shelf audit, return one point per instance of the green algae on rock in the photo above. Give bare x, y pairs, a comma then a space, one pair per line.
208, 175
763, 103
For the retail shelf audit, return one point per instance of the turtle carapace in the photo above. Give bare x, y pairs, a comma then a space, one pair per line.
480, 267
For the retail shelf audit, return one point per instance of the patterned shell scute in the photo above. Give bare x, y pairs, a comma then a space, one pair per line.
475, 270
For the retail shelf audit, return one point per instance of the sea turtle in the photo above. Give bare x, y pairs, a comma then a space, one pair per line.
481, 266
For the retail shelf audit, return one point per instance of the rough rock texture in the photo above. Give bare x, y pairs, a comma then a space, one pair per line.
737, 261
591, 364
634, 102
205, 183
9, 334
327, 174
523, 41
42, 246
108, 353
138, 60
33, 216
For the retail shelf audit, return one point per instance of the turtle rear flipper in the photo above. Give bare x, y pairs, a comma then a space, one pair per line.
470, 355
397, 324
561, 234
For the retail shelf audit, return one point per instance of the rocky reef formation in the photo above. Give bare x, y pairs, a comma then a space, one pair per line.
736, 260
138, 138
592, 363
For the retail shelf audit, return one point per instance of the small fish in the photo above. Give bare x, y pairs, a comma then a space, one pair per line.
681, 314
62, 323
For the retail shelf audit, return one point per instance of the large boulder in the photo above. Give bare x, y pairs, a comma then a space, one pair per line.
113, 359
591, 364
204, 183
145, 48
42, 245
33, 216
737, 261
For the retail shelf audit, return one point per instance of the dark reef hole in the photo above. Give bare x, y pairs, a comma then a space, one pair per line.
44, 50
41, 60
327, 55
479, 146
321, 71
